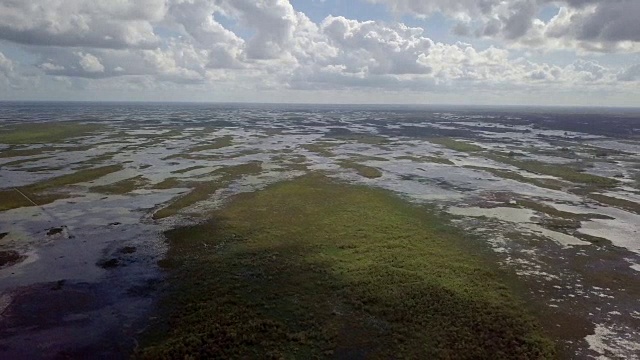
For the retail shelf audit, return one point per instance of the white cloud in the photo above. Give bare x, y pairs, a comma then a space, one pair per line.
109, 24
272, 46
632, 73
585, 25
90, 63
47, 66
6, 65
377, 48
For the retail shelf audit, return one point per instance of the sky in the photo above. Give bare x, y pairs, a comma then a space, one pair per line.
462, 52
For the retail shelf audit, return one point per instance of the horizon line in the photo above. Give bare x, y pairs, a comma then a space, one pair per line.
627, 107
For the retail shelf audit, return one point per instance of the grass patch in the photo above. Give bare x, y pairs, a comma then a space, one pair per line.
320, 148
40, 191
9, 153
551, 211
619, 203
168, 183
182, 171
311, 269
508, 174
430, 159
564, 172
365, 139
21, 162
39, 133
361, 158
362, 170
21, 151
122, 187
220, 143
201, 191
456, 145
79, 176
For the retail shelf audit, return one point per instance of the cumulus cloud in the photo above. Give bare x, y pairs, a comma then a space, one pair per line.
109, 24
632, 73
268, 44
11, 76
589, 25
90, 63
377, 48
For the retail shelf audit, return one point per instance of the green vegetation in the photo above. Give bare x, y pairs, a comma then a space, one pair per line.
362, 170
204, 190
36, 133
365, 139
456, 145
291, 162
320, 148
79, 176
562, 171
40, 191
25, 152
508, 174
361, 158
220, 143
312, 269
551, 211
19, 151
616, 202
431, 159
169, 183
22, 161
182, 171
122, 187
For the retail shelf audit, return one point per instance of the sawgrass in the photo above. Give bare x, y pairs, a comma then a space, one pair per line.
616, 202
561, 171
122, 187
429, 159
38, 133
201, 191
220, 143
362, 170
42, 192
310, 268
456, 145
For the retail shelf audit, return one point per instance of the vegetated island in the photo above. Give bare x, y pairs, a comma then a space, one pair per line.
314, 268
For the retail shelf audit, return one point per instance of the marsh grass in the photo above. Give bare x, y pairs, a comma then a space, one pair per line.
551, 211
168, 183
122, 187
456, 145
216, 144
45, 132
22, 162
43, 192
201, 191
320, 148
186, 170
429, 159
362, 170
310, 268
365, 139
616, 202
562, 171
512, 175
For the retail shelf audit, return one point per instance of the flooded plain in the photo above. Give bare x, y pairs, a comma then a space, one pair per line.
87, 191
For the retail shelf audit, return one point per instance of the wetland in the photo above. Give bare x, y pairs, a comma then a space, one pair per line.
284, 231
